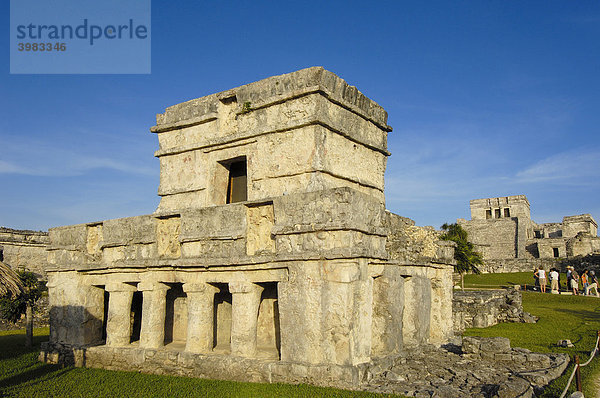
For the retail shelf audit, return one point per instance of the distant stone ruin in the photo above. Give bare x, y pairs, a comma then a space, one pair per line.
271, 256
510, 241
24, 250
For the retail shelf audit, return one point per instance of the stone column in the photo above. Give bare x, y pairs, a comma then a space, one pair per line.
200, 304
244, 316
154, 307
118, 324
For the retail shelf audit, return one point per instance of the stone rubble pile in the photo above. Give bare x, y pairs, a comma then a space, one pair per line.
485, 367
483, 308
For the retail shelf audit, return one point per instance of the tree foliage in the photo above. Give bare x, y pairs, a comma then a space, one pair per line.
12, 309
467, 259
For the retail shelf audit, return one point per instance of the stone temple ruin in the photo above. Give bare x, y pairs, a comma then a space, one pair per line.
509, 240
271, 256
24, 250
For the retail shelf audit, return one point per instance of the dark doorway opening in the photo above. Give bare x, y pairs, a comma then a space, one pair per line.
136, 316
222, 319
105, 315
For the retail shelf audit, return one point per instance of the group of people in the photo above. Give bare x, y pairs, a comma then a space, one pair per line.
587, 279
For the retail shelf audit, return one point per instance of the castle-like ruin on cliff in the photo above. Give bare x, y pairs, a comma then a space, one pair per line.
509, 240
271, 256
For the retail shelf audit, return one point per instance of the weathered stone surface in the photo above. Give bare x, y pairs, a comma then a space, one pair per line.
421, 372
24, 249
266, 259
502, 230
483, 308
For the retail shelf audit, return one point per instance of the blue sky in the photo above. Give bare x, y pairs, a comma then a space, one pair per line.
488, 98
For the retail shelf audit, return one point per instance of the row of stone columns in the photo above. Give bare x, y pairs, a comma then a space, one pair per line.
200, 303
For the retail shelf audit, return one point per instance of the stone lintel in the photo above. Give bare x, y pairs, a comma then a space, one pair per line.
340, 272
199, 287
149, 286
119, 287
243, 287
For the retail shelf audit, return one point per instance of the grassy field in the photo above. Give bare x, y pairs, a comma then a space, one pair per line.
21, 375
576, 318
483, 281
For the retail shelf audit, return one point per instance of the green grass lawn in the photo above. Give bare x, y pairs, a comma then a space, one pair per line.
21, 375
483, 281
576, 318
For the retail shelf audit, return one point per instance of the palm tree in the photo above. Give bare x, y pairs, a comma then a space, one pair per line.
23, 287
467, 259
10, 282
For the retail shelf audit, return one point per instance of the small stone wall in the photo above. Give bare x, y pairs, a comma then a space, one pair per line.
483, 308
24, 249
517, 265
182, 363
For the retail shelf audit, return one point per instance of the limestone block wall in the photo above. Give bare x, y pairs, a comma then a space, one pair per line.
582, 245
484, 308
572, 225
23, 249
548, 230
339, 223
548, 247
493, 238
502, 207
342, 134
408, 243
300, 279
518, 265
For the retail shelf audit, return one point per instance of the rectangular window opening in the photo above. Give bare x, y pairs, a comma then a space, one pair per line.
507, 212
555, 251
488, 214
497, 213
237, 190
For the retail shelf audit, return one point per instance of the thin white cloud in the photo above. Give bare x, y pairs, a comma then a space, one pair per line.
9, 168
59, 159
578, 167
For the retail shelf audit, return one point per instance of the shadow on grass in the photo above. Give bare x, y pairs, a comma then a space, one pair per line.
583, 315
33, 376
13, 345
28, 369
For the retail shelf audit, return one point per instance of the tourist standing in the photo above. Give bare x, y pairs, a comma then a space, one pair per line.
554, 275
593, 283
584, 281
574, 281
568, 278
540, 273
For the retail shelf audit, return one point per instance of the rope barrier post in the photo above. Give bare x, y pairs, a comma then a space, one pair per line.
577, 374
